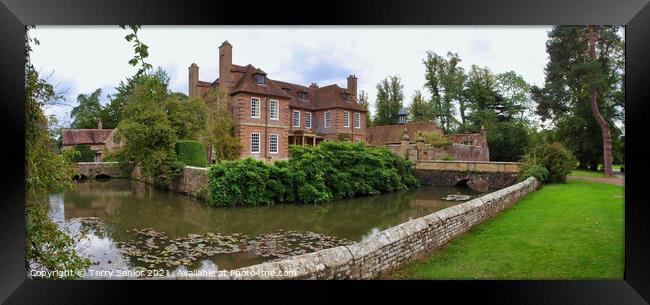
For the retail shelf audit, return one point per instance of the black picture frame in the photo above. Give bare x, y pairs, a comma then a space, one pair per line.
634, 14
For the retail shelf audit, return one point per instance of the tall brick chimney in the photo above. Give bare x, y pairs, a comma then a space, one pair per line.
352, 85
193, 89
99, 123
225, 64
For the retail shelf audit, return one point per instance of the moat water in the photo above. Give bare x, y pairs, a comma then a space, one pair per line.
127, 225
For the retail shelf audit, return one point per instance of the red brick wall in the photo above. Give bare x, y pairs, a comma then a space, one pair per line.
303, 119
337, 128
241, 107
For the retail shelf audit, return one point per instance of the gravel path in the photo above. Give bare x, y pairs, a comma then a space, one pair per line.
614, 180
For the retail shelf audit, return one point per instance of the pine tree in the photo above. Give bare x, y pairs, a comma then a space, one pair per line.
582, 93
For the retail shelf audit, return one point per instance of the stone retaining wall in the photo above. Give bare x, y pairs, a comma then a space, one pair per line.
394, 247
192, 181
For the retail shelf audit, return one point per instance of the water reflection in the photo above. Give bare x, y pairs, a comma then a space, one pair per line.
127, 224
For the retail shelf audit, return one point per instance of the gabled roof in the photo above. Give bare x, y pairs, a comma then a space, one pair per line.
85, 136
248, 84
331, 97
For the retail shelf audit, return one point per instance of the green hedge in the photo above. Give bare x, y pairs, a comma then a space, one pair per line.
332, 170
192, 153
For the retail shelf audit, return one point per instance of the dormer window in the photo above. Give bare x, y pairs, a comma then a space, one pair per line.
286, 90
346, 97
302, 95
260, 78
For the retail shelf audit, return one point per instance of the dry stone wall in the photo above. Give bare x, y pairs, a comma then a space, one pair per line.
391, 248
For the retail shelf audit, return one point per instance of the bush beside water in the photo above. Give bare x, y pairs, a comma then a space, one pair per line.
332, 170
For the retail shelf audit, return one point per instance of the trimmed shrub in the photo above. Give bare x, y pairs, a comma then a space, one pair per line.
191, 153
556, 159
332, 170
537, 171
85, 154
239, 182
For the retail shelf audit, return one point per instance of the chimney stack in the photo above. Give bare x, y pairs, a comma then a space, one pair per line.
352, 85
313, 85
193, 89
225, 64
99, 123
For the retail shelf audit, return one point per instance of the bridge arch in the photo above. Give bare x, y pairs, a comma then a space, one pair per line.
478, 175
101, 170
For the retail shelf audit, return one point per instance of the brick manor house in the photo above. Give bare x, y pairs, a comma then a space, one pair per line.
273, 114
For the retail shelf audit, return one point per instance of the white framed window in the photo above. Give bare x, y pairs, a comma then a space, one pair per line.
357, 120
296, 118
328, 119
346, 119
255, 107
273, 110
273, 143
255, 142
307, 120
402, 119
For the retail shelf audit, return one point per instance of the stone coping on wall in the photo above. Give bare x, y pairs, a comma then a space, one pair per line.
469, 166
388, 249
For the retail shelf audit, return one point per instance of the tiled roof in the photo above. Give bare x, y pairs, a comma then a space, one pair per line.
392, 134
317, 97
248, 84
85, 136
294, 100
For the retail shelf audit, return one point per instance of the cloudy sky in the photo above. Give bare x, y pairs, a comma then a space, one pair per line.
82, 59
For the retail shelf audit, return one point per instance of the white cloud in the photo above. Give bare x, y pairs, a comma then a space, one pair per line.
90, 57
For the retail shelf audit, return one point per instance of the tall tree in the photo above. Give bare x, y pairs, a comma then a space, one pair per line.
187, 116
482, 98
604, 126
88, 112
363, 101
515, 95
582, 93
389, 100
420, 110
157, 81
445, 79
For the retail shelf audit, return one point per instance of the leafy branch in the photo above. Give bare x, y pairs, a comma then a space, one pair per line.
141, 49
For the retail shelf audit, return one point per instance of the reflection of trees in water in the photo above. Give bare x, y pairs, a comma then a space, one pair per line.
125, 205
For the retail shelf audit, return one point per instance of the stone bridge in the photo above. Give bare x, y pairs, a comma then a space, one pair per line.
479, 175
102, 170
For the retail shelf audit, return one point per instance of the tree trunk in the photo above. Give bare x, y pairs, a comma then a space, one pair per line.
604, 127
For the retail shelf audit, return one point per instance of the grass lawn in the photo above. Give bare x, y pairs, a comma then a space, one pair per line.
586, 173
563, 231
